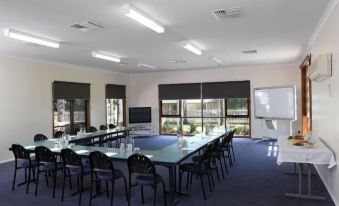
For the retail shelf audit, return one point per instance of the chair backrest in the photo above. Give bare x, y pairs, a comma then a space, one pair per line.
91, 129
20, 152
70, 158
225, 140
205, 158
39, 137
231, 134
139, 164
44, 155
100, 162
215, 145
103, 127
111, 126
58, 134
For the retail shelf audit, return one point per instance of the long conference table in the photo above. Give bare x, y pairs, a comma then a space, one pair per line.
170, 156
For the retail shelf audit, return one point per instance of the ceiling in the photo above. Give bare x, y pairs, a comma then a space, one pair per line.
278, 29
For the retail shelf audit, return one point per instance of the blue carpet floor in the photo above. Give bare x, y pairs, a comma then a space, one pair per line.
255, 180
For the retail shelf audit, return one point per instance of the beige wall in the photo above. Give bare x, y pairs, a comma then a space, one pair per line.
144, 87
325, 100
26, 97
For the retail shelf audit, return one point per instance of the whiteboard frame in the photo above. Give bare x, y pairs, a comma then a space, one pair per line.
277, 87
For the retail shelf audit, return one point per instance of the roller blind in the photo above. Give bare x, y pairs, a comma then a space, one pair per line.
71, 90
180, 91
233, 89
114, 91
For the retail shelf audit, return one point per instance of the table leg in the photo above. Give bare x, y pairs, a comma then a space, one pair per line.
309, 192
172, 190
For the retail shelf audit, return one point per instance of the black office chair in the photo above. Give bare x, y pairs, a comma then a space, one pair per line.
102, 169
23, 161
201, 168
225, 150
112, 126
143, 169
58, 134
231, 135
40, 137
47, 163
74, 167
91, 129
103, 127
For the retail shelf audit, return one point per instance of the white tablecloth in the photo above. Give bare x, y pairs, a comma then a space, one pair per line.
319, 154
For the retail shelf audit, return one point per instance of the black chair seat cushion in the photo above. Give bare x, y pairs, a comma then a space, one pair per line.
46, 167
77, 171
25, 164
109, 176
190, 167
148, 180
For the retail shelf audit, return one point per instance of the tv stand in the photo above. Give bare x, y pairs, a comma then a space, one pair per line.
141, 129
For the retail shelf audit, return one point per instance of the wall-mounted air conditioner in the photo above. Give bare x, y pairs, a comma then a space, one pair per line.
321, 68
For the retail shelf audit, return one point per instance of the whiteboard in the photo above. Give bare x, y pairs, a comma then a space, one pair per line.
275, 102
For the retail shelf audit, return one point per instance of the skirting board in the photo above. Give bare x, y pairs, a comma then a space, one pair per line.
9, 160
327, 187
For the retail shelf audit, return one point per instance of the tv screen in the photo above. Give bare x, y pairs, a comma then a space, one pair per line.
140, 115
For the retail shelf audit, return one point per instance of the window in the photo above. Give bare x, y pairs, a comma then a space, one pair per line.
115, 104
70, 106
194, 108
115, 111
70, 115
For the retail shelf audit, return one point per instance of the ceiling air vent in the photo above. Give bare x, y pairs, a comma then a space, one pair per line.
253, 51
178, 61
230, 13
86, 26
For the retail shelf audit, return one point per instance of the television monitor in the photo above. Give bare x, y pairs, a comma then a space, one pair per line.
140, 115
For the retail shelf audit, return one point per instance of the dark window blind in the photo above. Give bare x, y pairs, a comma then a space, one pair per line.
114, 91
233, 89
71, 90
180, 91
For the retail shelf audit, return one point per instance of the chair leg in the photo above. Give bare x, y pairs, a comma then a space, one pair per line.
142, 194
37, 181
81, 187
211, 174
126, 193
221, 168
225, 163
202, 186
54, 183
29, 179
63, 186
91, 191
14, 178
164, 192
70, 180
25, 174
230, 157
233, 152
129, 192
155, 195
191, 178
180, 180
188, 177
107, 189
46, 178
216, 169
112, 193
209, 182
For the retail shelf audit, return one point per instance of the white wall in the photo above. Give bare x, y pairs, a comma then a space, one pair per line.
325, 101
144, 87
26, 97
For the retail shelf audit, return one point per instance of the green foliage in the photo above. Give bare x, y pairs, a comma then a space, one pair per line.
169, 128
193, 128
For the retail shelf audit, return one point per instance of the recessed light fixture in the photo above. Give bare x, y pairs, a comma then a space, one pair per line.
143, 19
106, 57
252, 51
142, 65
215, 59
191, 48
86, 26
18, 35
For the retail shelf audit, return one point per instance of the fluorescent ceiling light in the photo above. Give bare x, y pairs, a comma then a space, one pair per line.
215, 59
106, 57
140, 65
10, 33
143, 19
191, 48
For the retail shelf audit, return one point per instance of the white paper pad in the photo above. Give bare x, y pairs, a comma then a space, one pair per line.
56, 149
149, 156
30, 147
81, 151
110, 154
188, 149
53, 140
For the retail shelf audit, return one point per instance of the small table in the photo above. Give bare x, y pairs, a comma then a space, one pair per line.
319, 154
